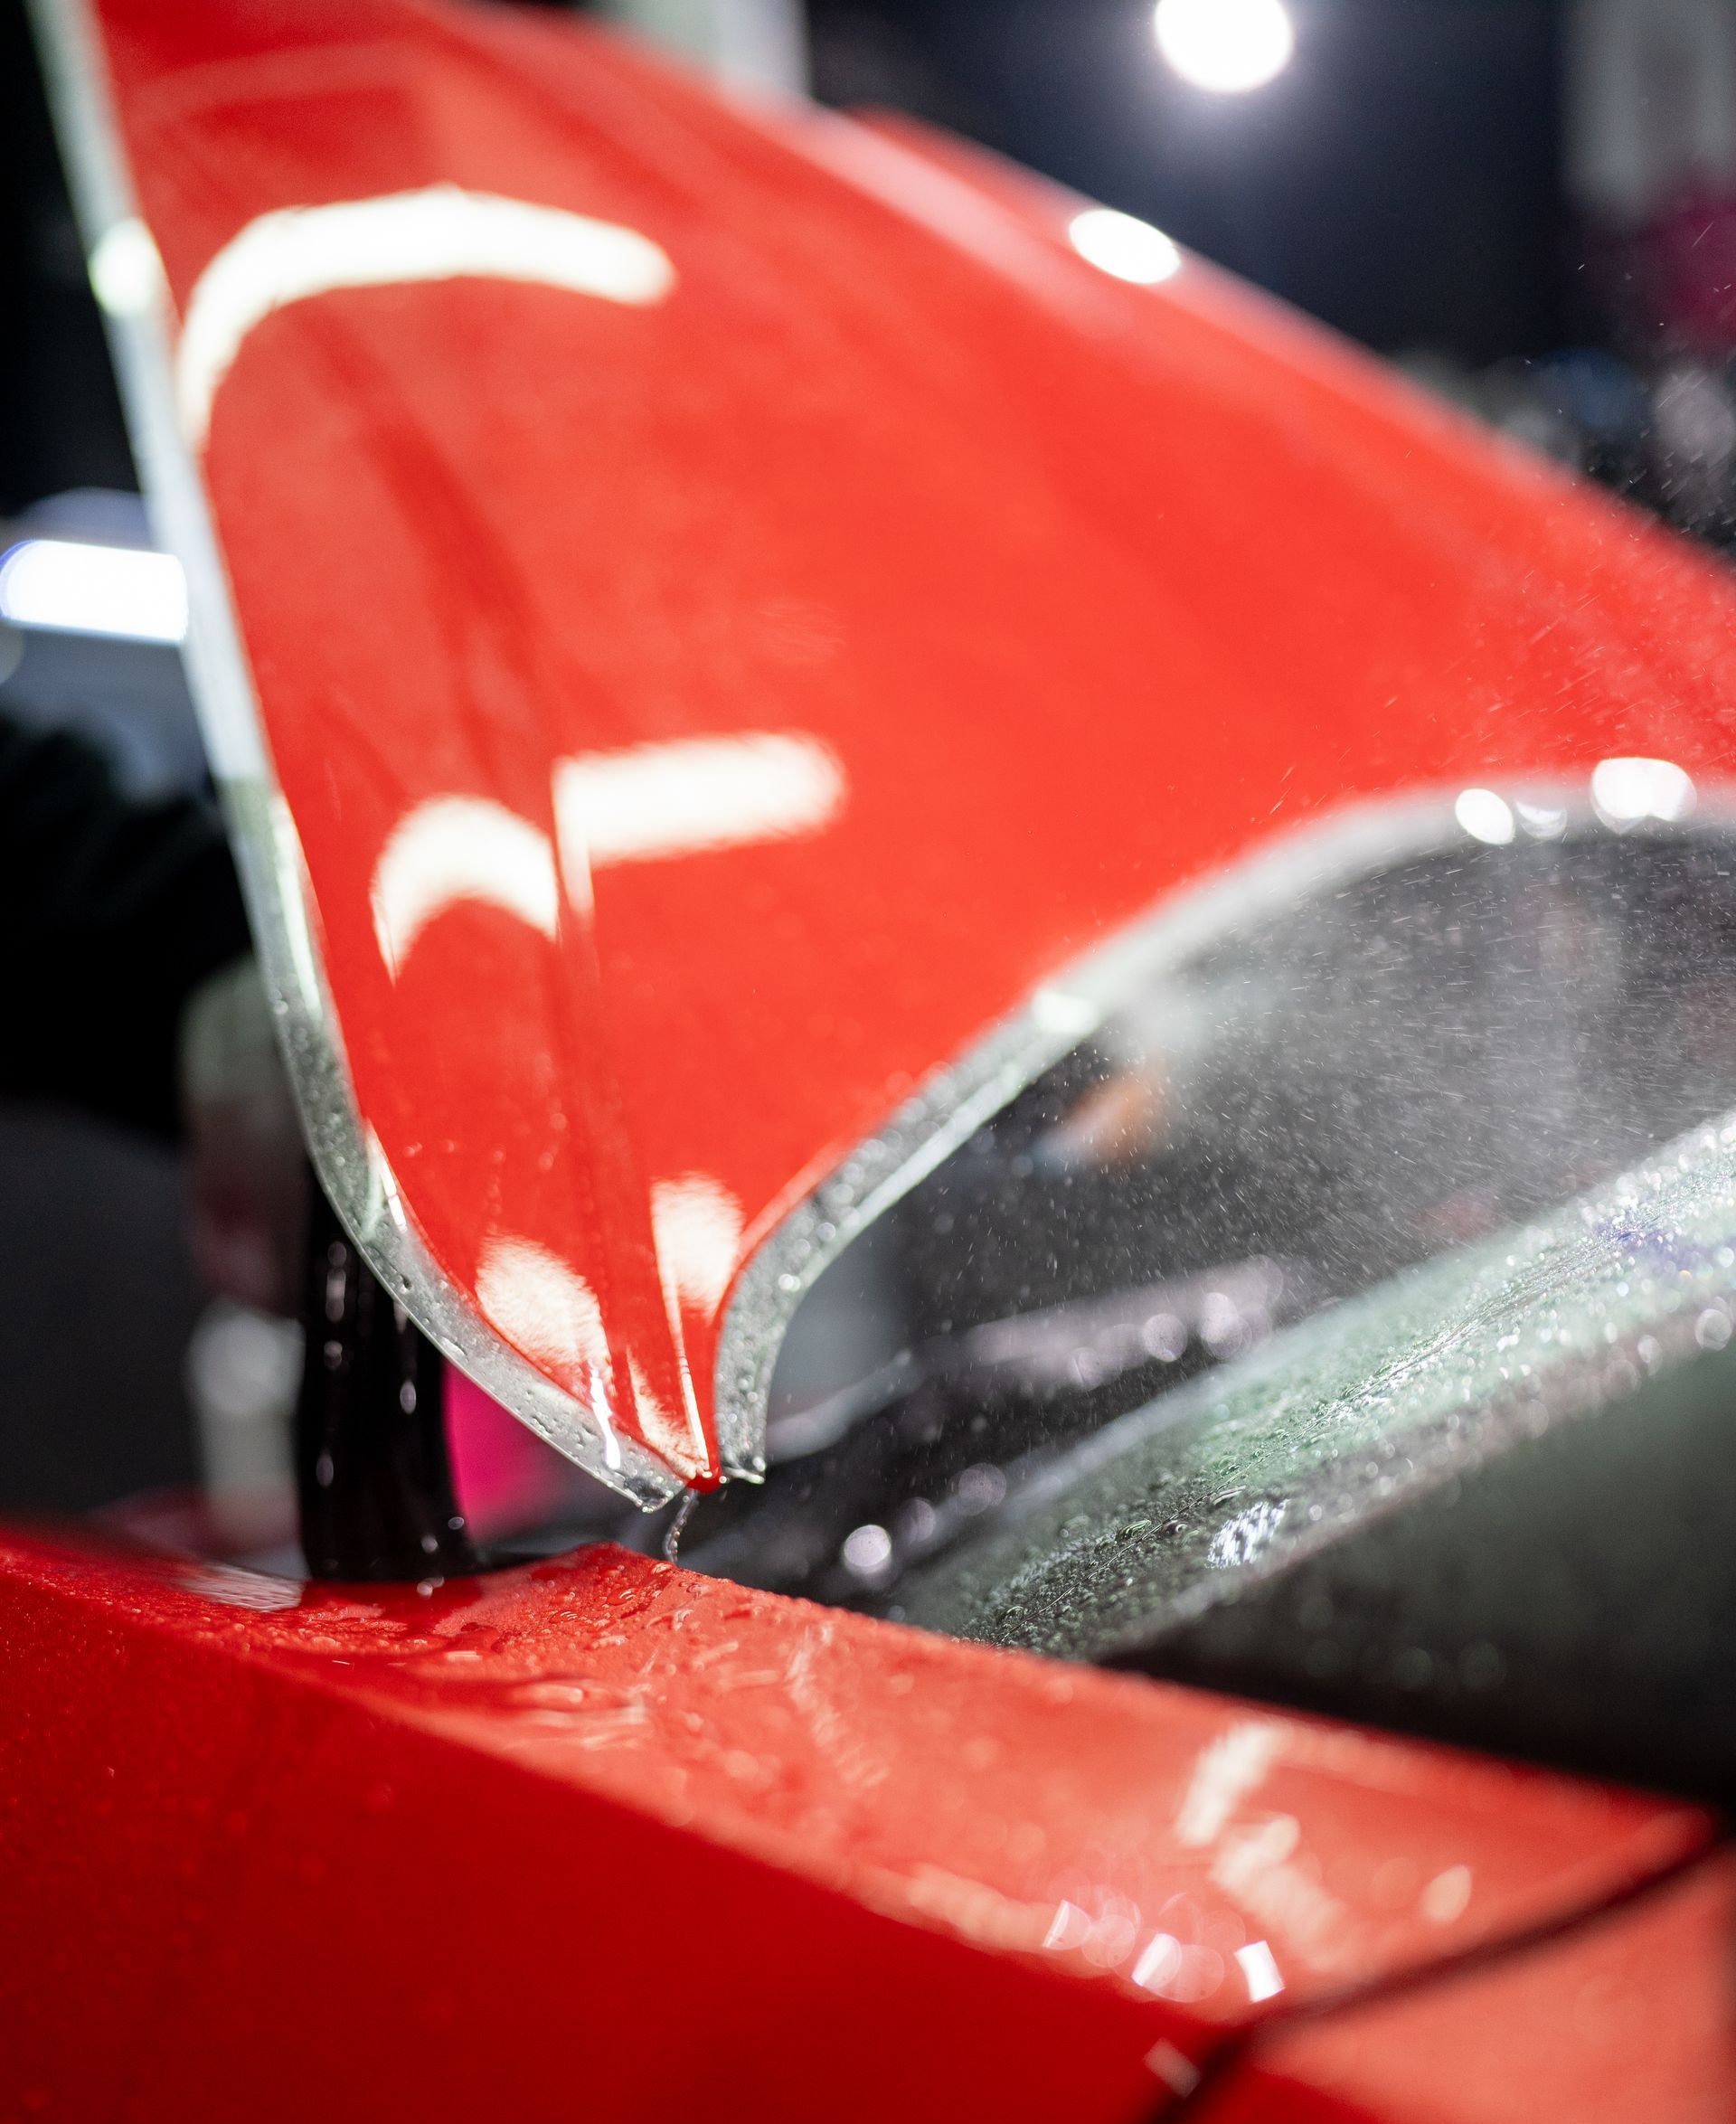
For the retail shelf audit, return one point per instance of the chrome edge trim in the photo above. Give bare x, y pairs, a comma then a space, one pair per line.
267, 853
951, 1105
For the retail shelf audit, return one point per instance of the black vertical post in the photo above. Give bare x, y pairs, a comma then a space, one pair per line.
371, 1470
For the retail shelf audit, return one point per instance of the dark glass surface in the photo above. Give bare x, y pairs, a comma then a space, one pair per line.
1244, 1274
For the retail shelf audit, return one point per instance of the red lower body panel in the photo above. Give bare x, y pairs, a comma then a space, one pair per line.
605, 1835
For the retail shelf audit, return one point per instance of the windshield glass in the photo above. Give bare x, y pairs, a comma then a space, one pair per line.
1414, 1052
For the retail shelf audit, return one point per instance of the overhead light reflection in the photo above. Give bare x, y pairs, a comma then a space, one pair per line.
1227, 46
460, 848
697, 1224
76, 589
1119, 244
1227, 1769
1542, 822
650, 803
440, 233
692, 796
1485, 817
548, 1312
1260, 1968
1624, 792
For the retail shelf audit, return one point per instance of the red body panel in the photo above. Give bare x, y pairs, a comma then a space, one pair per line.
1633, 2016
607, 1827
1084, 587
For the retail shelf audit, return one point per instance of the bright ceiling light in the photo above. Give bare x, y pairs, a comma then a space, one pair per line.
1119, 244
1229, 46
77, 589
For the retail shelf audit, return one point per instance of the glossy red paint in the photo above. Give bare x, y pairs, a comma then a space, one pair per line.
1631, 2016
1084, 588
604, 1831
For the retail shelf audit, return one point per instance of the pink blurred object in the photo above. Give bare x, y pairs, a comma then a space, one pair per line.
505, 1475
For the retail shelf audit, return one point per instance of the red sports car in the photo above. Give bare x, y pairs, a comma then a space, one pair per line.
977, 915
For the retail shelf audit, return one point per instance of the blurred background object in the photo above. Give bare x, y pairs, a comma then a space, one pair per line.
752, 44
1529, 204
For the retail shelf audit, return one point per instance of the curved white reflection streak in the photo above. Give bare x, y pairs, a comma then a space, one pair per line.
697, 1224
652, 803
549, 1314
691, 796
1227, 1769
458, 848
440, 233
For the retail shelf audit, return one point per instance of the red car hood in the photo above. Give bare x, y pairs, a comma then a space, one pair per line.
733, 604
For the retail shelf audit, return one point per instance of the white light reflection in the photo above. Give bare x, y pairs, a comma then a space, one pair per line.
1485, 817
866, 1553
1178, 2072
680, 1440
460, 848
651, 803
1225, 1771
126, 269
1070, 1928
691, 796
697, 1224
1244, 1537
696, 1228
1119, 244
1448, 1896
548, 1312
1260, 1968
1183, 1972
440, 233
1159, 1961
76, 589
1228, 46
1626, 791
1542, 822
